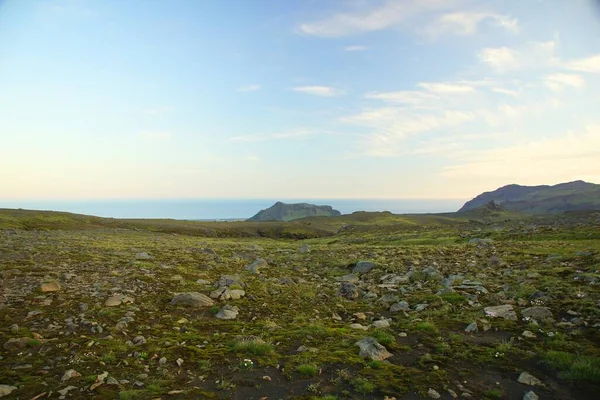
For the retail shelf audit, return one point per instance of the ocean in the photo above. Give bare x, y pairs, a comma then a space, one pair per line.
225, 209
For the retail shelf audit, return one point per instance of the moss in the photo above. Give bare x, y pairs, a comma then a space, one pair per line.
363, 385
309, 370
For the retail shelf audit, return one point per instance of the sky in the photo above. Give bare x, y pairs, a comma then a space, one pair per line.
296, 99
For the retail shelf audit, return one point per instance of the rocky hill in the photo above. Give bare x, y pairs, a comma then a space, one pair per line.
544, 199
287, 212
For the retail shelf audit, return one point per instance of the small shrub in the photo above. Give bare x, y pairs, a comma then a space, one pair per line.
363, 386
573, 367
494, 394
252, 345
454, 298
204, 366
307, 369
375, 364
426, 326
383, 337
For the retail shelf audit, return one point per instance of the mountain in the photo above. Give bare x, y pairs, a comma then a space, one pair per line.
544, 199
287, 212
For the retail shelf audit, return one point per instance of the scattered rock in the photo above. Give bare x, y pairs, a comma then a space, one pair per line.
362, 267
228, 312
528, 335
71, 373
257, 265
382, 323
505, 311
225, 293
537, 312
359, 327
5, 390
63, 392
400, 306
192, 299
53, 286
143, 256
117, 300
433, 394
528, 379
349, 291
531, 396
370, 348
352, 278
305, 248
472, 327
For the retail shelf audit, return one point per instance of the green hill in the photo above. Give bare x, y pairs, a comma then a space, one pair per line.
544, 199
288, 212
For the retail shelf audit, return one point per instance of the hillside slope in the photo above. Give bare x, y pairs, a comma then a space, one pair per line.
544, 199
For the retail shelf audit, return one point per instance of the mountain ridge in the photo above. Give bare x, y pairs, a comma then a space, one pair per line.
287, 212
541, 199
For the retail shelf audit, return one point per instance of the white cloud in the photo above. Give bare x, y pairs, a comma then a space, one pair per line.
325, 91
563, 158
508, 92
389, 14
589, 64
293, 134
252, 158
441, 87
465, 23
559, 81
355, 48
155, 135
533, 55
249, 88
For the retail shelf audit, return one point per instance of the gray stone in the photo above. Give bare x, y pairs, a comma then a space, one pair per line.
370, 348
228, 312
530, 396
400, 306
5, 390
112, 381
388, 299
305, 248
537, 312
139, 340
433, 394
528, 379
192, 299
143, 256
227, 294
71, 373
349, 291
63, 392
362, 267
257, 265
382, 323
421, 307
352, 278
505, 311
472, 327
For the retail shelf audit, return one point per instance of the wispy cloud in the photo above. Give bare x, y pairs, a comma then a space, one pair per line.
560, 81
589, 64
505, 91
325, 91
533, 55
465, 23
252, 158
293, 134
249, 88
355, 48
368, 19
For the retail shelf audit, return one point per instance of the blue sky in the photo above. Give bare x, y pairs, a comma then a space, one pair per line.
296, 99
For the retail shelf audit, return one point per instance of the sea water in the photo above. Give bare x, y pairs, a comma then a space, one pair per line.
225, 209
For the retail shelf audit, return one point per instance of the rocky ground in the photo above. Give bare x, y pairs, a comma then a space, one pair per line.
490, 312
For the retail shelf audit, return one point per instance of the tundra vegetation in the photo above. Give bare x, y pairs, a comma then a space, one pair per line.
487, 305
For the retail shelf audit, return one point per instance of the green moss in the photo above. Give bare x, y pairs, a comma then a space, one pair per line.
426, 326
383, 337
253, 347
307, 369
363, 385
573, 367
453, 297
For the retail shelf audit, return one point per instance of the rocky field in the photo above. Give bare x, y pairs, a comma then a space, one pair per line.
495, 310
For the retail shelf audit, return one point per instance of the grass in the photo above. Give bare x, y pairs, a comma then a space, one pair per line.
383, 337
363, 386
453, 298
308, 370
426, 326
252, 346
572, 367
132, 394
494, 394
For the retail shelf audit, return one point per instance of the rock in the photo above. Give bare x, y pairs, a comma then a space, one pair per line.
505, 311
117, 300
203, 282
71, 373
537, 312
229, 280
143, 256
531, 396
359, 327
5, 390
528, 379
257, 265
139, 340
387, 299
433, 394
192, 299
349, 291
112, 381
370, 348
305, 248
63, 392
53, 286
382, 323
362, 267
227, 294
421, 307
528, 335
20, 343
228, 312
400, 306
162, 361
179, 362
472, 327
352, 278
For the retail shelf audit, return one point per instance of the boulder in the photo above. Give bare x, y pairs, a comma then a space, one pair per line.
528, 379
53, 286
192, 299
257, 265
228, 312
6, 390
399, 306
371, 349
362, 267
349, 291
537, 312
505, 311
